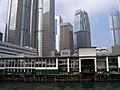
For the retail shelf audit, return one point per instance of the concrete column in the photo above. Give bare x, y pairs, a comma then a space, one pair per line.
31, 65
95, 61
118, 63
4, 66
35, 63
24, 65
79, 64
68, 63
14, 63
4, 63
57, 63
107, 64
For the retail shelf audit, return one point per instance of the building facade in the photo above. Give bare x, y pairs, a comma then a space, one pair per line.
82, 37
85, 65
12, 50
114, 25
48, 24
18, 22
66, 36
58, 21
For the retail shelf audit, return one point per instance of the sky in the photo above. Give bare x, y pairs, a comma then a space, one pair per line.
97, 10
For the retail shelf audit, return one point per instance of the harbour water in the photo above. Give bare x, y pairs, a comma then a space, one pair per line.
61, 86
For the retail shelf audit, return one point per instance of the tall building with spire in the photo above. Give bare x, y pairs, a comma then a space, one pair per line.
48, 26
18, 22
82, 37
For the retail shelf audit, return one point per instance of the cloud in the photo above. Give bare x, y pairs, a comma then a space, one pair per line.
67, 8
91, 6
98, 11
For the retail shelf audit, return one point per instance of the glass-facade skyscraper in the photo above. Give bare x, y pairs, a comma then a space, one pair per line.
18, 22
82, 37
31, 23
114, 25
48, 26
66, 36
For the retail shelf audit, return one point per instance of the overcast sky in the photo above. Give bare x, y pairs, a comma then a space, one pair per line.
98, 11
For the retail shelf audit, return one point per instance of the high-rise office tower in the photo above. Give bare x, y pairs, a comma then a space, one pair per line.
58, 21
18, 22
119, 4
34, 32
66, 36
37, 26
48, 24
82, 37
114, 25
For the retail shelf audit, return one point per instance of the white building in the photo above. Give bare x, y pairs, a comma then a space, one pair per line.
58, 21
114, 25
11, 50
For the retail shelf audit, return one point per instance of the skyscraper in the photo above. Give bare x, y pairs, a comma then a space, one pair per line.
37, 26
18, 22
114, 25
34, 33
58, 21
66, 36
119, 4
48, 24
82, 37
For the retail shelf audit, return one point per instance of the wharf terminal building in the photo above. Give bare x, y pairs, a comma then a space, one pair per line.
87, 64
19, 61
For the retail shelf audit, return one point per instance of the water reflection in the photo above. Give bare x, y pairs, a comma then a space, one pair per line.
61, 86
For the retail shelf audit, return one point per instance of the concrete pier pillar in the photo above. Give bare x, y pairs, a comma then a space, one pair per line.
79, 65
57, 63
119, 63
107, 64
68, 64
95, 61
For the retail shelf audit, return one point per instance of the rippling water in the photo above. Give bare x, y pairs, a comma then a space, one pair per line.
61, 86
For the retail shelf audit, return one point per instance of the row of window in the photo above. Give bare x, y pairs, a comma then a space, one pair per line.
16, 49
